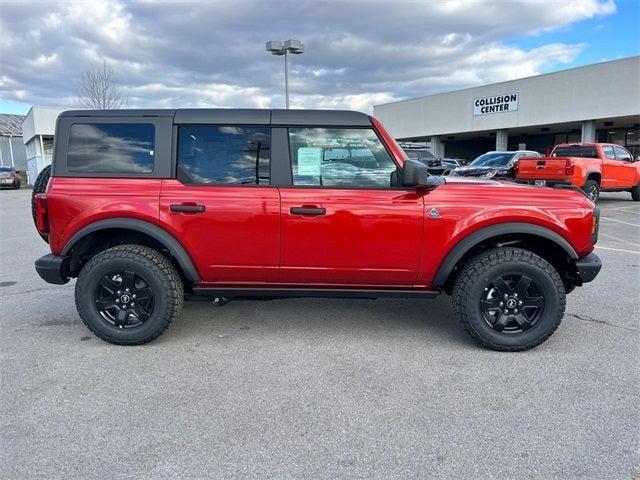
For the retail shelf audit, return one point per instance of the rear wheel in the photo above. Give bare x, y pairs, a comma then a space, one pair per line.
129, 294
509, 299
40, 186
592, 189
635, 193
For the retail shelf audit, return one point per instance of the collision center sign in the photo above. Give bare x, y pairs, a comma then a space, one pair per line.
507, 102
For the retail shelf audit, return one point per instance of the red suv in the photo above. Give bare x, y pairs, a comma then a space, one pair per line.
150, 207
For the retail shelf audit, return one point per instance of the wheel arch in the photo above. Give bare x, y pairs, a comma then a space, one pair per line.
593, 175
510, 233
149, 230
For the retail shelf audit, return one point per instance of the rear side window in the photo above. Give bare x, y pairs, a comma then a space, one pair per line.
224, 155
111, 148
608, 152
576, 151
339, 157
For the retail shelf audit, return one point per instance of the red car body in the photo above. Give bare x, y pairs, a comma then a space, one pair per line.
149, 208
368, 238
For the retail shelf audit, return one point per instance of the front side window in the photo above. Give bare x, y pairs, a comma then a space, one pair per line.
622, 154
230, 155
111, 148
339, 157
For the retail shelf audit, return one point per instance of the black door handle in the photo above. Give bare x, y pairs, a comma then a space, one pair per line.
187, 208
308, 211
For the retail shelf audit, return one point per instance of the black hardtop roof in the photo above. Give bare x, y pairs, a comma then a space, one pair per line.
239, 116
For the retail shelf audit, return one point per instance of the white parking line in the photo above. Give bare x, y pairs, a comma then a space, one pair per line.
619, 239
617, 250
620, 221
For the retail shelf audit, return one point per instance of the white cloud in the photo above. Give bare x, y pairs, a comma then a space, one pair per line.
175, 54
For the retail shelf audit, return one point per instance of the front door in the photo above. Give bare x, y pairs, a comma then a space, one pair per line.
222, 207
626, 171
344, 222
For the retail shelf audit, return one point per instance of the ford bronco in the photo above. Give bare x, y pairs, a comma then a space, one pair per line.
150, 207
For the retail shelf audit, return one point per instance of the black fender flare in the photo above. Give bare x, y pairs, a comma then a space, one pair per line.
466, 244
165, 238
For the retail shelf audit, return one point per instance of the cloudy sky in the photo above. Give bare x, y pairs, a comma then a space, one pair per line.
358, 53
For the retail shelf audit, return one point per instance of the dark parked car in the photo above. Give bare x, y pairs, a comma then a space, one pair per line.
494, 164
436, 166
8, 178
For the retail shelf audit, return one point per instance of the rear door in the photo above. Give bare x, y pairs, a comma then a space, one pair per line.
222, 206
344, 222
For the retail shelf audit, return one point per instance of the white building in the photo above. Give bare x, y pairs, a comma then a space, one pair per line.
12, 152
38, 129
599, 102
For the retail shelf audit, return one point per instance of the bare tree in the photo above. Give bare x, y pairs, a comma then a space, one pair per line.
98, 90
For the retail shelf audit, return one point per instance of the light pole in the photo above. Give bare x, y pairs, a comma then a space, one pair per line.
290, 46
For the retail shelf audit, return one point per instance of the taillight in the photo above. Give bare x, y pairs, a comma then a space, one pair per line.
569, 168
42, 217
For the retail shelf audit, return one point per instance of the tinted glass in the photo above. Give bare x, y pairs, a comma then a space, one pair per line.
608, 152
492, 160
576, 151
5, 169
339, 157
111, 148
423, 156
224, 155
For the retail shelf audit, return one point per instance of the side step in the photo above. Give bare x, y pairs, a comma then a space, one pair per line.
311, 292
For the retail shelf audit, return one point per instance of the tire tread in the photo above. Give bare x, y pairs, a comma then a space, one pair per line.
478, 267
174, 289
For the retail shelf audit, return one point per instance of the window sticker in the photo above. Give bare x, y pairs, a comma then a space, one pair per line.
309, 160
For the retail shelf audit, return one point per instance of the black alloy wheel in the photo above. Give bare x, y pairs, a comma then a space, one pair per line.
124, 299
512, 303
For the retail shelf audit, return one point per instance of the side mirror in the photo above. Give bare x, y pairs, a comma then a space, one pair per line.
416, 174
636, 158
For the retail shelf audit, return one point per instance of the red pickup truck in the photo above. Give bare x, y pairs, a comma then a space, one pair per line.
147, 208
593, 167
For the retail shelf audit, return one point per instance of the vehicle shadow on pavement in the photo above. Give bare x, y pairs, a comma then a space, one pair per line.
339, 319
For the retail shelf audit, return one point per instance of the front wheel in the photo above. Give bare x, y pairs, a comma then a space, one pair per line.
128, 294
509, 299
635, 193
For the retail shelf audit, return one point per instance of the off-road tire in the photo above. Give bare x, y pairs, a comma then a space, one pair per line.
157, 271
40, 186
635, 193
593, 187
470, 285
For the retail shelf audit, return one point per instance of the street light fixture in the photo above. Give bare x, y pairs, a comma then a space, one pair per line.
294, 47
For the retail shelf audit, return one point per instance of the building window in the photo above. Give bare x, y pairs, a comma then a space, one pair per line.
47, 143
111, 148
224, 155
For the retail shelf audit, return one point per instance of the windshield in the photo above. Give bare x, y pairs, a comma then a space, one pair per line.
493, 159
420, 155
5, 169
575, 151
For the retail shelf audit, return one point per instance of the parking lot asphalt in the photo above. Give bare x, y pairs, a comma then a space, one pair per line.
313, 388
